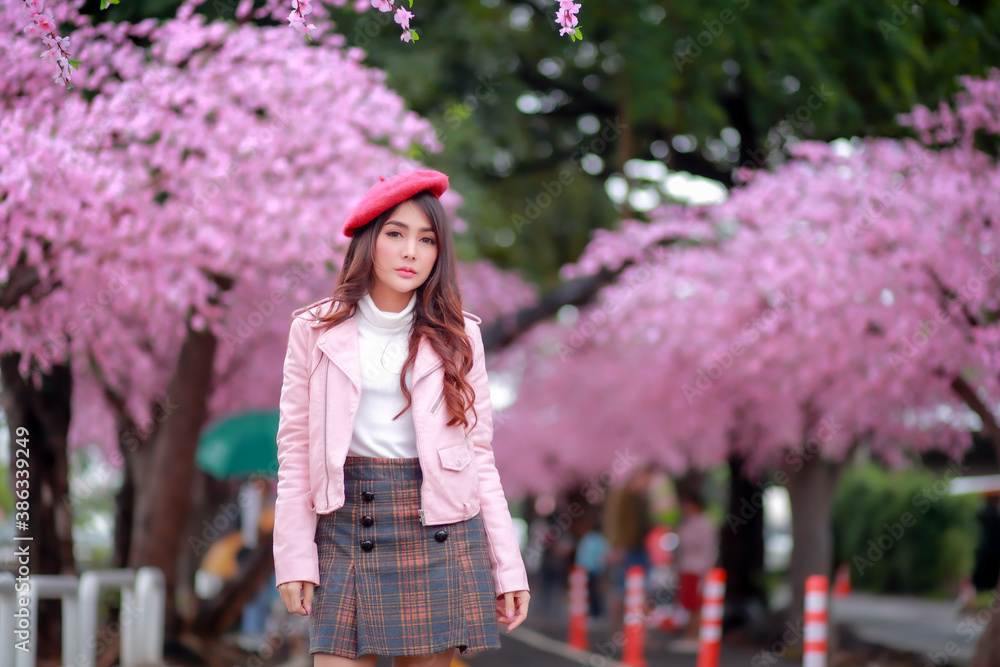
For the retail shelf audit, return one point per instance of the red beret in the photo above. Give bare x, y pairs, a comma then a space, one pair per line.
390, 191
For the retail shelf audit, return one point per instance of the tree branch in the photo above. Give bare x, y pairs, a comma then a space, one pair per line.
23, 279
579, 292
967, 393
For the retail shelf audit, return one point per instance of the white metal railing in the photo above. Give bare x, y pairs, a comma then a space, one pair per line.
151, 595
141, 620
7, 606
45, 587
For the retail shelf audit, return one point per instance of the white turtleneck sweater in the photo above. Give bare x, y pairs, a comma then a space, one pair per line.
383, 339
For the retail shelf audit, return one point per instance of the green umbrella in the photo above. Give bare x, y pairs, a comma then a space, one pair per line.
240, 445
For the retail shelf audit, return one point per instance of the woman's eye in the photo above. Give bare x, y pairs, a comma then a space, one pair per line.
427, 238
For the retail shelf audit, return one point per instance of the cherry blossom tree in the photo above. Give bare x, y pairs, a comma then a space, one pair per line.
847, 299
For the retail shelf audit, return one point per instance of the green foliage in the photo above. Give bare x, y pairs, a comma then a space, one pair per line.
901, 532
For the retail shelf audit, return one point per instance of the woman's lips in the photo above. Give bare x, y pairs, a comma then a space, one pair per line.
405, 273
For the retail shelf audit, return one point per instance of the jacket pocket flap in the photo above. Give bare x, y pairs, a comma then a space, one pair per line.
455, 457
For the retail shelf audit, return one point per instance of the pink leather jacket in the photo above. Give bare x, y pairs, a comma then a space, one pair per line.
319, 400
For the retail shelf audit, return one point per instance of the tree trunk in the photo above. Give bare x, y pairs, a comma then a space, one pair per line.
38, 422
124, 515
811, 482
163, 497
988, 650
214, 513
741, 547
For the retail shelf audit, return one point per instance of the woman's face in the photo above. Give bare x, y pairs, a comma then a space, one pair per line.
406, 240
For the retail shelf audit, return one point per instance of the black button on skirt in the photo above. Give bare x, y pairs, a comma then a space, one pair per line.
391, 586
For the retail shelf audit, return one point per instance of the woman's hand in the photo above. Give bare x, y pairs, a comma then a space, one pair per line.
297, 596
512, 608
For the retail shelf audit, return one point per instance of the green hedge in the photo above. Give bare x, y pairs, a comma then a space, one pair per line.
901, 532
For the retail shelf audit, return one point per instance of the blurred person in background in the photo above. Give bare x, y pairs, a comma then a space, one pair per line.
557, 551
592, 556
698, 547
627, 520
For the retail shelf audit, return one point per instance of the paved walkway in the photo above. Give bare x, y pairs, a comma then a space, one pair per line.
929, 628
533, 649
530, 647
934, 630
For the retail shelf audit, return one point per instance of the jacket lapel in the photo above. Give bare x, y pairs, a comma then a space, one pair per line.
340, 344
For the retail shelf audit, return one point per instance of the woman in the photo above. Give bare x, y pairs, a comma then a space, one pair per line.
392, 531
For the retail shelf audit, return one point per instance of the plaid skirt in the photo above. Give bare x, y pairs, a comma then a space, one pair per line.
391, 586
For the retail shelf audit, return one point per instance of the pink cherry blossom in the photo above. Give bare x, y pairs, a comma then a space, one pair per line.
303, 6
43, 25
403, 17
382, 5
566, 16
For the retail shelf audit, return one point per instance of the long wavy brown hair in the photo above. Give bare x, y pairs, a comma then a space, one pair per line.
437, 311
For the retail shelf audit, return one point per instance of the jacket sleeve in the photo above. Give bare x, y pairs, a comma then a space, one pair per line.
295, 557
504, 550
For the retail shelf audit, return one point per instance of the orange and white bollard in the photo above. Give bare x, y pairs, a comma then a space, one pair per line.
635, 628
578, 608
710, 633
814, 645
842, 581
